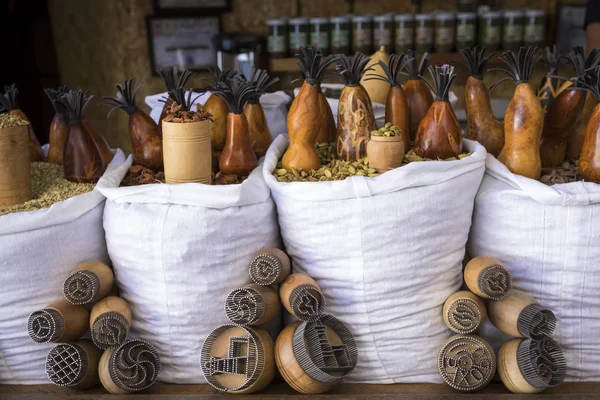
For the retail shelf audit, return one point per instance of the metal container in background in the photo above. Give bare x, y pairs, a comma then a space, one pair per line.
490, 29
444, 32
239, 51
277, 37
362, 34
466, 29
340, 34
423, 32
405, 32
319, 33
535, 28
512, 30
298, 34
383, 26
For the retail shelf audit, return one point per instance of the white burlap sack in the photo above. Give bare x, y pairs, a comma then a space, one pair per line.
549, 238
177, 251
387, 252
38, 250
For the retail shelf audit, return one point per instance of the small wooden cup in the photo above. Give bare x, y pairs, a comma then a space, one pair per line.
251, 346
385, 153
116, 375
270, 267
111, 314
15, 167
464, 312
88, 283
58, 322
187, 152
74, 365
487, 277
302, 297
252, 305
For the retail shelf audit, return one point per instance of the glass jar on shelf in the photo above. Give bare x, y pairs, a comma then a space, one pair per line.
444, 32
466, 29
362, 34
535, 28
490, 29
423, 32
319, 34
277, 37
512, 29
298, 34
382, 32
405, 32
340, 34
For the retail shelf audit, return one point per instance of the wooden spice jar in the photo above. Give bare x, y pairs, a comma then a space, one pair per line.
464, 312
314, 356
110, 321
74, 365
15, 172
487, 277
302, 297
385, 152
187, 151
252, 305
88, 282
270, 267
238, 359
58, 322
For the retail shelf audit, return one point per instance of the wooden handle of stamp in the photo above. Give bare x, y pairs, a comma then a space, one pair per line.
111, 304
509, 371
291, 283
103, 273
270, 297
75, 319
504, 314
290, 369
104, 374
91, 377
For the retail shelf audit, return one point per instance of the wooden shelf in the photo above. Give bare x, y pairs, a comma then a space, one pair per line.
281, 65
277, 391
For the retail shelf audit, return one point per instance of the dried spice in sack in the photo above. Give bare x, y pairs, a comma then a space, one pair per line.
48, 186
139, 175
411, 156
565, 173
175, 113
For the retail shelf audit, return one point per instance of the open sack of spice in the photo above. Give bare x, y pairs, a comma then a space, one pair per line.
547, 234
50, 221
177, 249
385, 246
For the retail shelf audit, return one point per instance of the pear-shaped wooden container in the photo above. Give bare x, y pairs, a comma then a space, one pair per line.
385, 153
74, 365
15, 172
187, 151
88, 283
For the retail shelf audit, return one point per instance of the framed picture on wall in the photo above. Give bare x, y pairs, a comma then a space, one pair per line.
186, 42
203, 7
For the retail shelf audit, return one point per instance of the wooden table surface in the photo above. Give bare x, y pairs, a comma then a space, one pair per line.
495, 391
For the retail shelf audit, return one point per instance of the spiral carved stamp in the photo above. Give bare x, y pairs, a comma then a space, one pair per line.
244, 306
467, 362
134, 365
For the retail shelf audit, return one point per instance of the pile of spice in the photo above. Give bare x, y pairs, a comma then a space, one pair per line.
48, 186
8, 121
176, 113
138, 175
333, 169
566, 173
